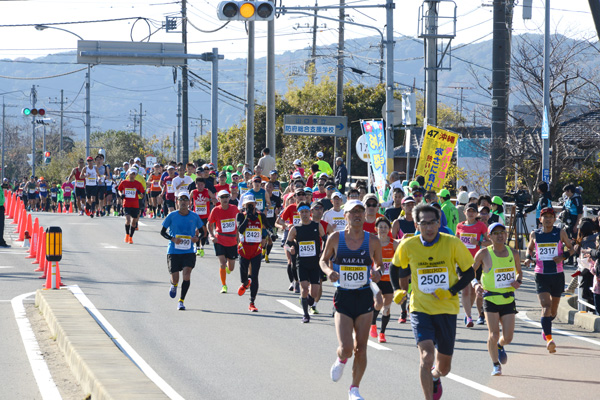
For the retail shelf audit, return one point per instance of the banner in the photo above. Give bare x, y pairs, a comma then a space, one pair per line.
436, 154
374, 132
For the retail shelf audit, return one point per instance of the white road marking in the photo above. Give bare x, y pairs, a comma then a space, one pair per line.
300, 311
478, 386
108, 246
13, 252
123, 345
4, 267
40, 369
82, 223
522, 315
142, 224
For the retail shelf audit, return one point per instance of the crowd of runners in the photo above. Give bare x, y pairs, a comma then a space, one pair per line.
411, 247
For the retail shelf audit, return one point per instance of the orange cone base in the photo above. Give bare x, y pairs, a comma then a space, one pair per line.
49, 277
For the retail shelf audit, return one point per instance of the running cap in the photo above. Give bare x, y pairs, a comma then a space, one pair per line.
299, 190
413, 184
547, 210
463, 198
297, 162
471, 206
296, 175
323, 176
320, 154
248, 199
317, 203
273, 172
247, 171
330, 186
125, 163
256, 178
308, 190
222, 193
137, 159
339, 159
222, 173
336, 194
132, 171
497, 200
89, 159
156, 165
444, 193
494, 226
170, 167
183, 193
473, 195
484, 208
235, 174
240, 165
352, 204
408, 199
370, 196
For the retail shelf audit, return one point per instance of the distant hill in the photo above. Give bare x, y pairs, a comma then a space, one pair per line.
118, 89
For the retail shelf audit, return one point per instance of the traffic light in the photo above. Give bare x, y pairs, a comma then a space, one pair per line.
246, 11
47, 157
34, 111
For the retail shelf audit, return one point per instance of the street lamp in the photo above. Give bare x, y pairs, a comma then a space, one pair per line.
87, 90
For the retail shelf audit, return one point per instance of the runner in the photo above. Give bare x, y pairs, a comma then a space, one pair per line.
273, 210
79, 185
43, 188
547, 242
54, 197
103, 172
168, 190
260, 195
184, 227
473, 234
430, 259
201, 199
356, 256
404, 226
253, 233
304, 240
155, 190
90, 174
501, 276
335, 216
317, 210
223, 233
31, 194
388, 247
129, 190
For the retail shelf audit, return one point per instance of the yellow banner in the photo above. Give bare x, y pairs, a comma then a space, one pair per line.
436, 154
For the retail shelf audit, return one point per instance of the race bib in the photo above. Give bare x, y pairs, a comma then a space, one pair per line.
90, 181
503, 277
307, 249
43, 189
201, 209
228, 225
277, 193
155, 184
547, 251
170, 188
186, 242
353, 276
387, 262
130, 193
80, 184
243, 191
108, 182
32, 191
466, 239
339, 223
252, 235
430, 279
259, 204
296, 220
270, 212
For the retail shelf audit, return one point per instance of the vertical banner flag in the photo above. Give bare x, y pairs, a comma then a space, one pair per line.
545, 125
436, 155
374, 132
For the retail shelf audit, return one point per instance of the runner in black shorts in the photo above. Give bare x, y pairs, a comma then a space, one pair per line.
129, 189
305, 241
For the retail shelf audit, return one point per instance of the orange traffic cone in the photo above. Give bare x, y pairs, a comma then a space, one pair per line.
25, 227
34, 240
26, 242
21, 225
53, 277
70, 207
41, 245
18, 218
15, 213
42, 261
59, 208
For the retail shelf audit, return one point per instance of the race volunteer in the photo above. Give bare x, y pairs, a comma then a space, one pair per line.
223, 233
129, 189
356, 259
184, 227
548, 242
430, 259
304, 240
501, 276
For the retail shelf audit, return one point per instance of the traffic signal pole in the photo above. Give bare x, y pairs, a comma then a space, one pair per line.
250, 98
33, 101
184, 83
270, 140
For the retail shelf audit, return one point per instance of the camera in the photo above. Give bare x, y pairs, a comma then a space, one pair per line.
519, 197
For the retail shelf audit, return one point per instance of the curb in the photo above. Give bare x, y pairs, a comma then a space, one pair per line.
101, 368
567, 312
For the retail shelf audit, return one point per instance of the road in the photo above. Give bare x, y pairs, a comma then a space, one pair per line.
216, 349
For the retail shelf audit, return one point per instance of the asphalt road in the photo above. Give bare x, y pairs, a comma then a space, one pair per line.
216, 349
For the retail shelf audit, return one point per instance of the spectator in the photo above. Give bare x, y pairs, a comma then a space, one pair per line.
462, 200
595, 270
543, 202
266, 162
323, 165
572, 209
497, 211
341, 175
586, 241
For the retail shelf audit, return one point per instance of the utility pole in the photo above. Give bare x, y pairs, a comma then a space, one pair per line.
313, 59
339, 99
546, 141
3, 134
431, 62
184, 83
389, 89
199, 122
88, 120
33, 101
250, 96
61, 102
270, 134
141, 116
214, 104
178, 141
174, 146
137, 118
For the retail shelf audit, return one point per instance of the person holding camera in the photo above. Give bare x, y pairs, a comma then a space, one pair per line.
544, 201
572, 210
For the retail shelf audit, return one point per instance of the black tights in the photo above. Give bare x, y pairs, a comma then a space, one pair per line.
244, 264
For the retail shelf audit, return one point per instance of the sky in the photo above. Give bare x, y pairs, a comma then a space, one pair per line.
474, 23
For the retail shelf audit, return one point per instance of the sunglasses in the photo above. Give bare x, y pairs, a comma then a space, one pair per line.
224, 196
498, 233
371, 204
428, 223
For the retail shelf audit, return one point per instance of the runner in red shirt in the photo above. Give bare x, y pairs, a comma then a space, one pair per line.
371, 205
79, 185
320, 192
201, 199
222, 228
473, 234
154, 190
129, 189
168, 189
222, 184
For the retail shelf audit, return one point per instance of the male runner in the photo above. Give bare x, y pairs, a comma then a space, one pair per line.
305, 241
356, 259
548, 242
201, 199
430, 259
260, 195
272, 211
317, 210
335, 216
129, 190
79, 185
253, 235
168, 189
183, 226
155, 189
222, 230
501, 276
90, 174
103, 173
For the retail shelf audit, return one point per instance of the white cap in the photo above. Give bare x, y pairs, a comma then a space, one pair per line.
463, 198
183, 193
170, 167
336, 194
352, 204
296, 175
137, 159
132, 171
125, 163
320, 154
323, 175
248, 199
222, 193
473, 195
297, 162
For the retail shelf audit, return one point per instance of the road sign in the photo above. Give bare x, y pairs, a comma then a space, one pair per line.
397, 107
130, 53
315, 125
546, 175
362, 148
150, 161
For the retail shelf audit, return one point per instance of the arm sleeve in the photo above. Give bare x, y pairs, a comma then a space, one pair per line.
163, 233
396, 273
464, 280
242, 221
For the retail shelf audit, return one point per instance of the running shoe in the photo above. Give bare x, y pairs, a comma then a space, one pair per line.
502, 357
551, 346
497, 370
297, 287
227, 270
402, 319
243, 288
180, 306
306, 319
267, 259
291, 288
480, 320
200, 252
130, 240
337, 370
373, 331
173, 291
381, 338
252, 308
224, 289
313, 310
437, 389
354, 395
468, 322
127, 238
